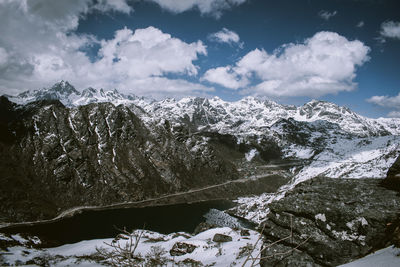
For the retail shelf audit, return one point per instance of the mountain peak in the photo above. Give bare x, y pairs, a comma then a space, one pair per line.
64, 87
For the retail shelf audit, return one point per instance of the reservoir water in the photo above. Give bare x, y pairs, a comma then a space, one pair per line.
105, 223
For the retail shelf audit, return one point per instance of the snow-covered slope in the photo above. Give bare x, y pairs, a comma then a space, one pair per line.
387, 257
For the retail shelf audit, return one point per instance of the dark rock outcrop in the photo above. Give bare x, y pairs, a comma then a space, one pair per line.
392, 180
203, 226
53, 158
327, 222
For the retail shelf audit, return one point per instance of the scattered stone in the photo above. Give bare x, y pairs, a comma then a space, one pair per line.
181, 248
244, 232
222, 238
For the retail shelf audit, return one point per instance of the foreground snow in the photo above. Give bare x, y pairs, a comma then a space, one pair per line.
387, 257
207, 252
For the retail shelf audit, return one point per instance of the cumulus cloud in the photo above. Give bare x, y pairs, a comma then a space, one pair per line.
39, 47
326, 15
390, 29
139, 60
386, 101
392, 102
206, 7
115, 5
225, 36
148, 52
324, 64
226, 77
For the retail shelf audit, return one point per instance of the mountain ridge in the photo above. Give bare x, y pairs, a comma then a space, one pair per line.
218, 113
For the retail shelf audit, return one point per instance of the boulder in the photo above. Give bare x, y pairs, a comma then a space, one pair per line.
181, 248
221, 238
392, 180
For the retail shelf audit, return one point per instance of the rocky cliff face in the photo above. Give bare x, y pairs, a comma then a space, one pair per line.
54, 158
327, 222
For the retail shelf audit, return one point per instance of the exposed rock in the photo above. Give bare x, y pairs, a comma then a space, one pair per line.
244, 232
222, 238
181, 248
203, 226
392, 180
191, 262
332, 221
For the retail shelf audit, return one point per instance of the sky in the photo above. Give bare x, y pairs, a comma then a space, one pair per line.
288, 51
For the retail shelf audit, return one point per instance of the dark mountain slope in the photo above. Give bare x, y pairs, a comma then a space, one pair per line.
54, 158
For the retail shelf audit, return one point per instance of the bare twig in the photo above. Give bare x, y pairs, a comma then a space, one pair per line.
258, 256
122, 255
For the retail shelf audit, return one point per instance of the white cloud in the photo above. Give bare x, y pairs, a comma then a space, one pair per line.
324, 64
392, 102
160, 87
326, 15
206, 7
386, 101
390, 29
225, 36
147, 52
115, 5
226, 77
139, 60
394, 114
360, 24
38, 47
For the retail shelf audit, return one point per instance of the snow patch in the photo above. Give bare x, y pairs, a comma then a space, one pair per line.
321, 217
251, 154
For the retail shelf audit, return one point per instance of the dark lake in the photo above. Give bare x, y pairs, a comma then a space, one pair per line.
103, 224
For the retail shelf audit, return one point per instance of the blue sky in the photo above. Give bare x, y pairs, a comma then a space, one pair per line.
343, 51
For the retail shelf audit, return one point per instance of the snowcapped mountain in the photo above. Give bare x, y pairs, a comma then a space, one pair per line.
315, 129
317, 132
70, 97
248, 116
62, 91
253, 116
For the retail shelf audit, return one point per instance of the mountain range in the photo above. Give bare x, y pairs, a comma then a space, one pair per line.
97, 147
